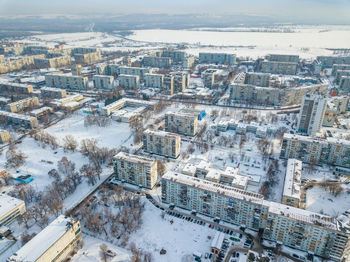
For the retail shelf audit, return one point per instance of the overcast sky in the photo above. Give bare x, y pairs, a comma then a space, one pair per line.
338, 10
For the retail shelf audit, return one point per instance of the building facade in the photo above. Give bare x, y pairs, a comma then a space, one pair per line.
292, 183
19, 119
103, 81
284, 68
129, 81
161, 143
257, 79
66, 81
154, 61
137, 170
53, 243
20, 105
181, 123
312, 111
10, 209
53, 93
217, 58
154, 80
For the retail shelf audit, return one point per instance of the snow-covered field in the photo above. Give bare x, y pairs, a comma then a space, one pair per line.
112, 136
306, 41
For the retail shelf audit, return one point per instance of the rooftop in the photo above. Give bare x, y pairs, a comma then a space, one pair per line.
161, 133
8, 203
43, 240
134, 158
293, 178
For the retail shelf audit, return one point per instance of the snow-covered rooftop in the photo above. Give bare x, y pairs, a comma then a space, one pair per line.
8, 203
133, 158
293, 178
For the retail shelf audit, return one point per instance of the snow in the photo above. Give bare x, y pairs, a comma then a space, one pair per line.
7, 204
179, 239
91, 251
113, 136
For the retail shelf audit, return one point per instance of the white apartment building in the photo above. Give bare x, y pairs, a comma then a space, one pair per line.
154, 80
66, 81
217, 58
208, 77
103, 81
161, 143
181, 123
129, 81
136, 71
285, 225
283, 58
284, 68
154, 61
136, 170
257, 79
316, 150
313, 108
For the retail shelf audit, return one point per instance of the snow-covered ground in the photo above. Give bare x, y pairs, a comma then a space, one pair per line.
113, 136
91, 251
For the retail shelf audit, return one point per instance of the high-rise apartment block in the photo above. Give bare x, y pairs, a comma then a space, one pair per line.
181, 123
217, 58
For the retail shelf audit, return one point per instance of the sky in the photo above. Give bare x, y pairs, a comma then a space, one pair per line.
337, 10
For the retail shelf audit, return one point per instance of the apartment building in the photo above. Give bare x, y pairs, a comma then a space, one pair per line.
19, 119
168, 84
103, 81
72, 99
337, 67
208, 77
154, 80
335, 106
154, 61
18, 64
66, 81
283, 58
340, 74
274, 96
181, 81
2, 59
4, 136
129, 81
257, 79
217, 58
16, 88
137, 170
161, 143
316, 150
10, 209
87, 58
126, 61
35, 49
284, 68
313, 108
292, 183
329, 61
176, 56
53, 93
345, 83
314, 233
53, 243
124, 102
14, 50
181, 123
20, 105
188, 61
76, 69
54, 62
136, 71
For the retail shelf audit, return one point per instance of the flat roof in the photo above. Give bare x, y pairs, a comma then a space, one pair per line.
15, 115
8, 203
134, 158
161, 133
32, 250
292, 180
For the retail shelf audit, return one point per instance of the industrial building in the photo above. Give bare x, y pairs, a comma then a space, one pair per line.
161, 143
137, 170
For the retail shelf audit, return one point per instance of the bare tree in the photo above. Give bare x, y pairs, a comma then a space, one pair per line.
103, 252
15, 159
70, 143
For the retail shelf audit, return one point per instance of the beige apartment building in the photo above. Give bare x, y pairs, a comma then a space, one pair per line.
53, 243
134, 169
66, 81
54, 62
20, 105
208, 77
87, 58
181, 123
10, 209
18, 64
4, 136
161, 143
